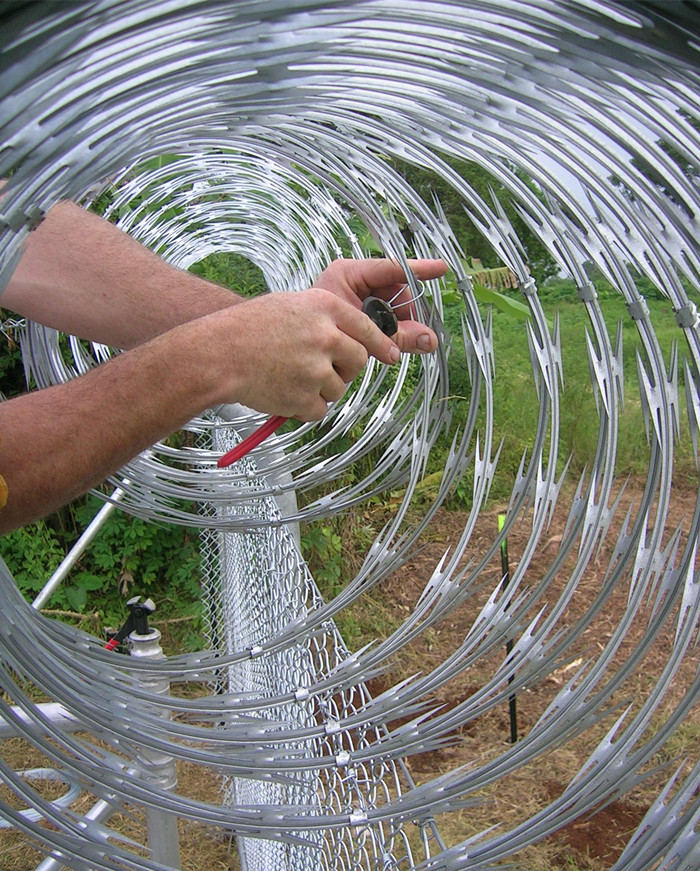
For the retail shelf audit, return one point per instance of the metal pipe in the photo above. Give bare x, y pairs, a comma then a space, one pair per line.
53, 711
156, 767
100, 812
77, 550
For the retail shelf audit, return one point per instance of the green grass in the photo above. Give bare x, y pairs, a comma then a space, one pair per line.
516, 403
233, 271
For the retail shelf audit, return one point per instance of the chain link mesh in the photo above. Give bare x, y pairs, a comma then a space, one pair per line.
254, 585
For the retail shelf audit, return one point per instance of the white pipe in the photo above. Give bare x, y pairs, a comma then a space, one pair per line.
53, 711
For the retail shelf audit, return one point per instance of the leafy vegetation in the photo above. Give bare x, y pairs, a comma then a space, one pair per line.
11, 368
428, 185
128, 557
682, 159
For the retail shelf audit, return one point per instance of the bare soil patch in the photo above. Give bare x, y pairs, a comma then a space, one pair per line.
594, 841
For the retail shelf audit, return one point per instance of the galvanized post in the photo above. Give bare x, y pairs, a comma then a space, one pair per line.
156, 768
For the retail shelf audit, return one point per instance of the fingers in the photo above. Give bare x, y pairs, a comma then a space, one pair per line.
412, 337
387, 276
293, 354
424, 269
349, 358
355, 324
401, 294
333, 389
362, 278
354, 280
387, 280
315, 407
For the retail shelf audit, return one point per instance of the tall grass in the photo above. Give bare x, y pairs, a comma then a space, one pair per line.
516, 402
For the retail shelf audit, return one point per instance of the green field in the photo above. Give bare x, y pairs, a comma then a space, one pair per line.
516, 401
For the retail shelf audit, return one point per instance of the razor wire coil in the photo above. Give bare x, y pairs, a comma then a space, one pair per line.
285, 119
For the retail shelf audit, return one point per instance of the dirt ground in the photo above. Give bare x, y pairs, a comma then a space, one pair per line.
590, 843
594, 841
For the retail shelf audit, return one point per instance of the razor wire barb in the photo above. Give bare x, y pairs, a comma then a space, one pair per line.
280, 122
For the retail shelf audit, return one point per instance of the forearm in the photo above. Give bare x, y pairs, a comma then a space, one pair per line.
289, 355
59, 442
82, 275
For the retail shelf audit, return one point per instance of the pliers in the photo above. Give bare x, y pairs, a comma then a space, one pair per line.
381, 313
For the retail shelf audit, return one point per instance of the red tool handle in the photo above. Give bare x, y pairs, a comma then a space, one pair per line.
251, 441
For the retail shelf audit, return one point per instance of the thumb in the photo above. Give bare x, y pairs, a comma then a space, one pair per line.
414, 337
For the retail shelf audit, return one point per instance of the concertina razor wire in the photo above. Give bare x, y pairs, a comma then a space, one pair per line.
283, 124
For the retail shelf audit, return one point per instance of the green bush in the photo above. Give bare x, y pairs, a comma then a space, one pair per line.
128, 557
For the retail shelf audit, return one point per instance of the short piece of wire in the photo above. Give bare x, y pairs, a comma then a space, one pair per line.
408, 301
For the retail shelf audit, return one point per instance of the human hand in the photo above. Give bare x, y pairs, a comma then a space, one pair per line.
353, 280
290, 354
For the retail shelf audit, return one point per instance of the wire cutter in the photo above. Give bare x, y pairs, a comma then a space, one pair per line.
381, 313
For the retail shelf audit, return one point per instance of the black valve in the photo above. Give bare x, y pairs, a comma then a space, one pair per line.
140, 612
137, 621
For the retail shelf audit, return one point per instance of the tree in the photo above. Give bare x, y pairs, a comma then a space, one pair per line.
427, 184
689, 168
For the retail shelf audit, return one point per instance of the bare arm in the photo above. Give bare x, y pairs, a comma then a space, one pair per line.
289, 354
192, 345
81, 275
